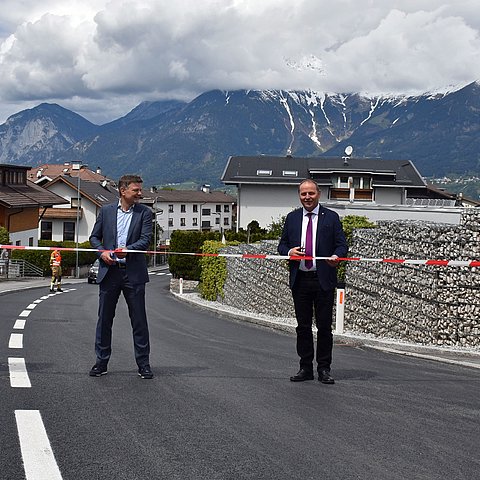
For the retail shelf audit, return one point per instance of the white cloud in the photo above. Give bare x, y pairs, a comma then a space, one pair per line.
100, 58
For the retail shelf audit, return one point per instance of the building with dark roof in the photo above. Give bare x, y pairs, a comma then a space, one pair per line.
375, 188
83, 200
20, 201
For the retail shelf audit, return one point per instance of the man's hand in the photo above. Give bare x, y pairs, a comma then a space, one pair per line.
120, 253
105, 256
296, 252
333, 261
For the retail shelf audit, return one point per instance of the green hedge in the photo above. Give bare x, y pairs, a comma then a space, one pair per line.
187, 266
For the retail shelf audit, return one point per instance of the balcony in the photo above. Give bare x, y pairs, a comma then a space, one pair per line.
359, 194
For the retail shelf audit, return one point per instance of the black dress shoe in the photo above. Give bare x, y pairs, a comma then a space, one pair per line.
98, 370
325, 377
302, 375
145, 372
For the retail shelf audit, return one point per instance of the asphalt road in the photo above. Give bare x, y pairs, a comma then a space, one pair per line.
221, 405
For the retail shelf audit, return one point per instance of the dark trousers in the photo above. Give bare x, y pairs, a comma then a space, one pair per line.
114, 283
310, 299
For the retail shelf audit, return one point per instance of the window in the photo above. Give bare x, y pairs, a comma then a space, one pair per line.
170, 208
218, 208
30, 241
75, 202
342, 182
264, 173
183, 208
206, 211
217, 220
170, 222
226, 208
46, 231
290, 173
182, 222
195, 222
15, 177
225, 221
68, 231
195, 209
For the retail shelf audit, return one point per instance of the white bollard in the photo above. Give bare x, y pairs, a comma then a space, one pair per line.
181, 286
340, 311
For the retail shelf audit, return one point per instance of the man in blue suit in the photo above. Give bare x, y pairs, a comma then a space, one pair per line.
123, 225
313, 231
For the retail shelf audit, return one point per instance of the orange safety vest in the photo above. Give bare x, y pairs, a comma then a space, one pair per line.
55, 259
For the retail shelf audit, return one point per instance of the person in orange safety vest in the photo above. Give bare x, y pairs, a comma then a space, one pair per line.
56, 266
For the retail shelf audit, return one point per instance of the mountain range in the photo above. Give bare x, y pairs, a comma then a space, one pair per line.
175, 141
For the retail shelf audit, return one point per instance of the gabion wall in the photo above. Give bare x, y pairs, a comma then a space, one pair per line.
432, 305
258, 286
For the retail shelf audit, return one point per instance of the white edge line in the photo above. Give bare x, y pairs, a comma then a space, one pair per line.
426, 357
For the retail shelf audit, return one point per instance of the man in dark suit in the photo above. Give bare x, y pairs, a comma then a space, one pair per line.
123, 225
313, 231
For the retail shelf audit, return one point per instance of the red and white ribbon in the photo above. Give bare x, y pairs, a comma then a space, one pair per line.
259, 256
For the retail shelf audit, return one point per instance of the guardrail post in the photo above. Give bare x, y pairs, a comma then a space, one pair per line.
181, 286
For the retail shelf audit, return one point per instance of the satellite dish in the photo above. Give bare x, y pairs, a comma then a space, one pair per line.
348, 150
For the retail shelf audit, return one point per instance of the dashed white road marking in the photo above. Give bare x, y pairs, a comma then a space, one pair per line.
31, 306
25, 313
18, 373
38, 301
38, 459
16, 340
44, 297
19, 324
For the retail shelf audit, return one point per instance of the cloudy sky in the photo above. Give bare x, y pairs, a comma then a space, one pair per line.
101, 58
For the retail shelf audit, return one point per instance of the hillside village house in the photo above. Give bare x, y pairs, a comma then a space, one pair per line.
84, 199
204, 210
375, 188
20, 203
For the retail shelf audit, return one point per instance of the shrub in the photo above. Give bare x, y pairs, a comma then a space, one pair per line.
213, 271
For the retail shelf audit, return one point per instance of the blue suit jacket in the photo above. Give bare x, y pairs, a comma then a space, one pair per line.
104, 237
330, 240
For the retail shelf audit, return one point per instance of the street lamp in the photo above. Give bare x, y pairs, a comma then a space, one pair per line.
77, 166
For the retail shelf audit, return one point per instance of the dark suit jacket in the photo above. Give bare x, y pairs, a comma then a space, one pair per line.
330, 240
104, 237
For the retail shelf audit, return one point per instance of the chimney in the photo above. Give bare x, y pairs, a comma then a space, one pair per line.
206, 188
99, 170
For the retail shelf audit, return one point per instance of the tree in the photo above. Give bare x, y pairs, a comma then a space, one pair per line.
4, 236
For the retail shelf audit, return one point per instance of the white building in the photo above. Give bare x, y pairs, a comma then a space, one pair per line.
375, 188
78, 215
191, 210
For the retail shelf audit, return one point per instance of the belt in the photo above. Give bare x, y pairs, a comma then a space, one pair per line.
303, 273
